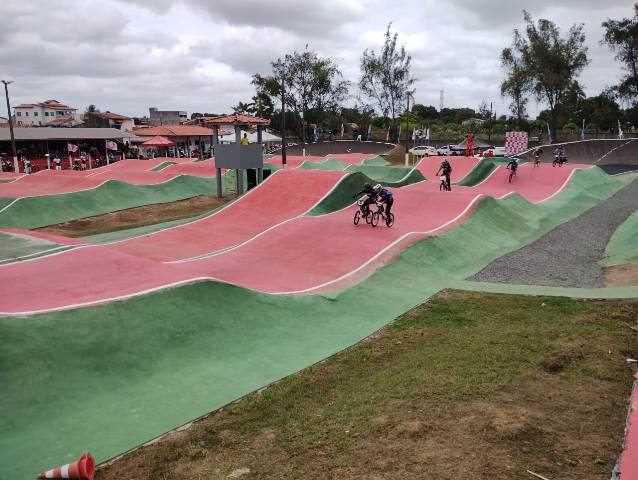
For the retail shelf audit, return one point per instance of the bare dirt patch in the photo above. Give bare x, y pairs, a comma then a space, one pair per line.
480, 386
621, 275
137, 217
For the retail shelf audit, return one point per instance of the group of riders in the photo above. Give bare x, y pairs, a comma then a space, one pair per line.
383, 197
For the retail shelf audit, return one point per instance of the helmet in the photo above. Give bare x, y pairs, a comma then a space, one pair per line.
367, 186
377, 187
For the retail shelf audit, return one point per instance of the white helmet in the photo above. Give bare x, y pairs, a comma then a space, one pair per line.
377, 187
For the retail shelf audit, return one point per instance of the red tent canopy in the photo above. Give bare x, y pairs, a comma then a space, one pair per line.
158, 141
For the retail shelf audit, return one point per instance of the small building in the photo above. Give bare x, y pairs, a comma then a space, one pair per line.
190, 138
108, 120
42, 114
166, 117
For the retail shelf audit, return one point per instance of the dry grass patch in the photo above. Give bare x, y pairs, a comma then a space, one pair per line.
137, 217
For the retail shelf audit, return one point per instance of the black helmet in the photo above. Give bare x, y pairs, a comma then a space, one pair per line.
367, 186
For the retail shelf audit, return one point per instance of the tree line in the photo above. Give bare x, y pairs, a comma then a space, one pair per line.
541, 63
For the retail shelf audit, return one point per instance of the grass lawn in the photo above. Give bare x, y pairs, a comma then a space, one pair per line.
468, 385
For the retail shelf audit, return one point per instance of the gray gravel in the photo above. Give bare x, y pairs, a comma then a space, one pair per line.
568, 255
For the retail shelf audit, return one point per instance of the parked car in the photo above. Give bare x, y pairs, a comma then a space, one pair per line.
495, 152
423, 150
447, 150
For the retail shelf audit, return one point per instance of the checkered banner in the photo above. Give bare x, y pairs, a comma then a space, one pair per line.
515, 143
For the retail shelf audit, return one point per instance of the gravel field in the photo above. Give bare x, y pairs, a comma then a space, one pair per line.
567, 256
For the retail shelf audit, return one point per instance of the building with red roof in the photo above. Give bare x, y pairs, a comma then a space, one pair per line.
108, 120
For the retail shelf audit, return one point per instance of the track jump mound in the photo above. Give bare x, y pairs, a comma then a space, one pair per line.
259, 210
42, 211
461, 167
329, 164
341, 196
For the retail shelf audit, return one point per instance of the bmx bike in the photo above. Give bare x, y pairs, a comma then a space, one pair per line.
362, 212
380, 214
444, 185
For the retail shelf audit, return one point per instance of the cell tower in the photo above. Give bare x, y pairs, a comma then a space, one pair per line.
441, 100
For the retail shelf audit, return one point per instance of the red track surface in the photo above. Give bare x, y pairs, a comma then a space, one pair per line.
287, 194
299, 254
629, 458
461, 166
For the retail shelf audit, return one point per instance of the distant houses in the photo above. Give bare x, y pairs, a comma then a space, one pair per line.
47, 113
108, 120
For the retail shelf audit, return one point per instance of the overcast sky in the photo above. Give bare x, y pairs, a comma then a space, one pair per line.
199, 55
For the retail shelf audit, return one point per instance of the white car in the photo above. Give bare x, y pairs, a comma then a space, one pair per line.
447, 150
495, 152
423, 151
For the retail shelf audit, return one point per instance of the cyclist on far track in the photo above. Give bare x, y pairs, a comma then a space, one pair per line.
386, 197
446, 168
512, 165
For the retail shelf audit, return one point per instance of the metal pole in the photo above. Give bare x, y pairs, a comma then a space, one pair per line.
283, 122
16, 166
407, 129
489, 135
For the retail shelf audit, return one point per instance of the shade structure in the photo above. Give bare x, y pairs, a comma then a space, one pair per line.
158, 141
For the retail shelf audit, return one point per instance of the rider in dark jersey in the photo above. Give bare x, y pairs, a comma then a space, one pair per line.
446, 168
372, 196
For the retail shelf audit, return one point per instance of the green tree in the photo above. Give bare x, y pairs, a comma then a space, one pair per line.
425, 113
91, 109
621, 36
602, 111
517, 82
312, 83
552, 63
385, 77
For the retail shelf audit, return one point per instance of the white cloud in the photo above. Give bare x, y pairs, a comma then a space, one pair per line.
199, 55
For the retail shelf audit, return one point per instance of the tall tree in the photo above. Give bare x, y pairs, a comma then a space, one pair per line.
551, 63
517, 82
313, 83
622, 37
385, 77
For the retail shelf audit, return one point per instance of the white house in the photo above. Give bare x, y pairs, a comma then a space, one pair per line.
41, 114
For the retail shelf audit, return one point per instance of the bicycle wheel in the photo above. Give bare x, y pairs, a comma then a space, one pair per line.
442, 186
374, 219
368, 217
511, 176
357, 217
389, 220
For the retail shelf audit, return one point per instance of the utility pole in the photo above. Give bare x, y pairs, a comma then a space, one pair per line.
283, 122
16, 166
489, 135
407, 125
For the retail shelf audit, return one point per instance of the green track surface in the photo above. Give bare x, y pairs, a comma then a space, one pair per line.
388, 175
623, 245
481, 171
330, 164
377, 161
162, 166
107, 378
341, 196
13, 247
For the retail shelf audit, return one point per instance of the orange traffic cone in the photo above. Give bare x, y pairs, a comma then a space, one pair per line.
83, 469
